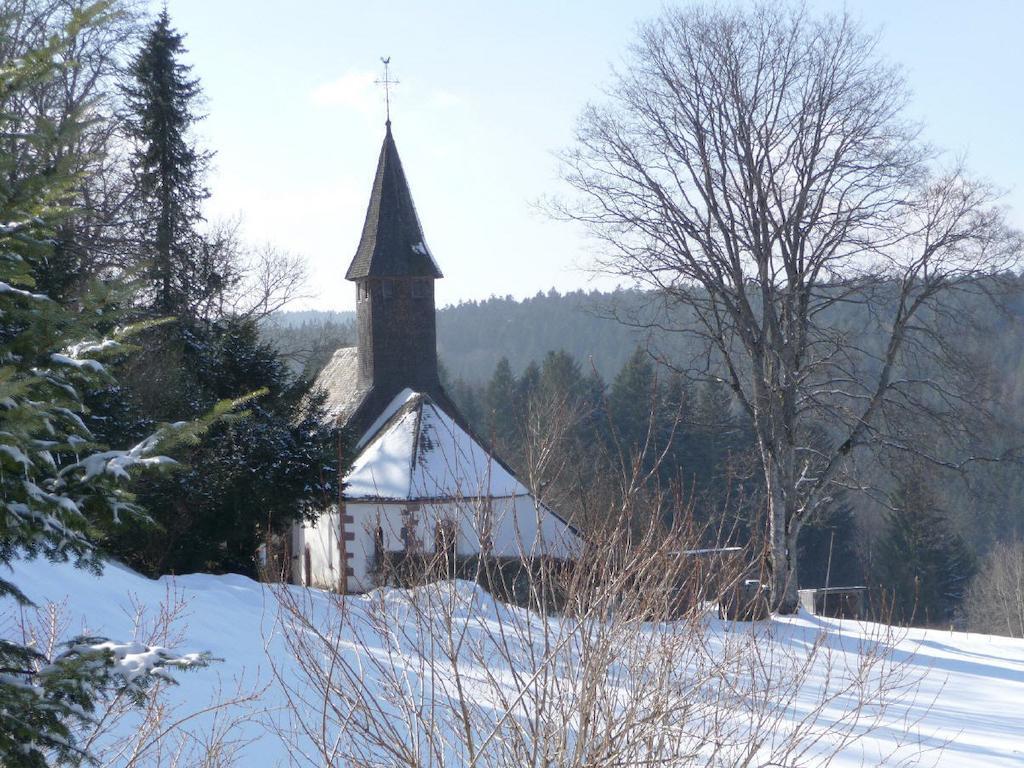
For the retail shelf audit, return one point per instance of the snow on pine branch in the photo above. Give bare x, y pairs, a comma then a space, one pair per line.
126, 665
76, 355
117, 463
91, 347
87, 363
7, 288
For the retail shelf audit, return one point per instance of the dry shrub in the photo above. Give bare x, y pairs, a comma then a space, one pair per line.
620, 661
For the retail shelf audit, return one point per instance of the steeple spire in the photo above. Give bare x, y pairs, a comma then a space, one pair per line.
392, 244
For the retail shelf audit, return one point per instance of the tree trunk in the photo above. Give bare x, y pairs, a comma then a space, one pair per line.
783, 558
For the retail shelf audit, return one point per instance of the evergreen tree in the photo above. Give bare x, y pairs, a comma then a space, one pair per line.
828, 549
169, 172
58, 482
924, 566
255, 475
527, 385
595, 424
470, 404
561, 378
715, 430
503, 422
247, 478
633, 399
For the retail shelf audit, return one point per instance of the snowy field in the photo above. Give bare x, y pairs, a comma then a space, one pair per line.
962, 702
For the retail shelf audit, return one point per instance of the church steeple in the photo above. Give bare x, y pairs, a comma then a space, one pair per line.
392, 243
394, 273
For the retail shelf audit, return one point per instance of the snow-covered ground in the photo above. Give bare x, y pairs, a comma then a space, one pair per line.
967, 707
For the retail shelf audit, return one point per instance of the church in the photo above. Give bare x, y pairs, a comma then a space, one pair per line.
421, 483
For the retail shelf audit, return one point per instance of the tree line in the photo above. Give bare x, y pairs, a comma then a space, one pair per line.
576, 440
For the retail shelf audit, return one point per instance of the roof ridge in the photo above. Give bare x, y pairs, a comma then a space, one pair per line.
392, 412
414, 453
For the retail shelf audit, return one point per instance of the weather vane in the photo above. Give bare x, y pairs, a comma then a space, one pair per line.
387, 82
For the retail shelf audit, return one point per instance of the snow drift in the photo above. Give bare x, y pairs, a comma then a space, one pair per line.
958, 704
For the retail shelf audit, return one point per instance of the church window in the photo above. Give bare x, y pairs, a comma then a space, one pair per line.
389, 288
419, 289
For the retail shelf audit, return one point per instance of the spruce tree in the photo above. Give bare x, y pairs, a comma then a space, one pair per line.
923, 565
561, 378
161, 99
245, 479
58, 482
633, 399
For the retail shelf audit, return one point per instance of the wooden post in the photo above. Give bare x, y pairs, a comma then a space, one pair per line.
342, 527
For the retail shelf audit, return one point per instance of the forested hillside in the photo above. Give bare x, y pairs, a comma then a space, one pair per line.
474, 335
516, 365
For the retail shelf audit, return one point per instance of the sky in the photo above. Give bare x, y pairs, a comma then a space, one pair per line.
488, 93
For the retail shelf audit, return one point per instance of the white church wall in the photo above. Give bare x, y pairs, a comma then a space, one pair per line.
514, 526
522, 526
414, 524
318, 562
366, 517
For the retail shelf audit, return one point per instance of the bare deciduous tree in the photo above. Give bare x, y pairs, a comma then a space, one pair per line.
756, 168
995, 599
245, 282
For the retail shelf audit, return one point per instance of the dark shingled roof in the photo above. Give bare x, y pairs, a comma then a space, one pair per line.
392, 244
339, 381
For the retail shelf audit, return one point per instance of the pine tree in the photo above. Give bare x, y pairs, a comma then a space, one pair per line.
170, 169
923, 565
633, 398
57, 481
828, 549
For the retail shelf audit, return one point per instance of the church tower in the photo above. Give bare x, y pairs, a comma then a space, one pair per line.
394, 273
417, 471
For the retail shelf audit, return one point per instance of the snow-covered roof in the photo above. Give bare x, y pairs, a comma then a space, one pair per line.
339, 380
415, 450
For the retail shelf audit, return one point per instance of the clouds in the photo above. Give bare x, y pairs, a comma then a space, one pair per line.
355, 89
358, 90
